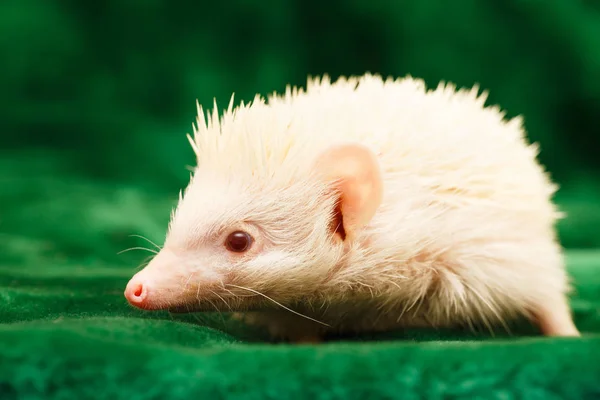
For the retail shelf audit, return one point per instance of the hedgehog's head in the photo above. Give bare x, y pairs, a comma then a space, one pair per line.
236, 238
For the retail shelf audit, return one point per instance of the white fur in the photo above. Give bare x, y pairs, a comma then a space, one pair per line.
465, 233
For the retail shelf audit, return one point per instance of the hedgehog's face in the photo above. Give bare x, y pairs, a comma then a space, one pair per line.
240, 243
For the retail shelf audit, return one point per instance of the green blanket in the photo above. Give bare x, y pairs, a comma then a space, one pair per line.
67, 331
88, 344
96, 100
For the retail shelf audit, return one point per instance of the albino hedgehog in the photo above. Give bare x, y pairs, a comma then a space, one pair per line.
363, 205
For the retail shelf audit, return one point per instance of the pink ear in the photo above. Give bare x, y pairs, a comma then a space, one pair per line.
354, 172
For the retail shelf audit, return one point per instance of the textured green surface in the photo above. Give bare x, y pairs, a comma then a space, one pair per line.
96, 100
68, 332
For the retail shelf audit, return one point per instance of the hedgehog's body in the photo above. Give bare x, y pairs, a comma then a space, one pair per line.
370, 205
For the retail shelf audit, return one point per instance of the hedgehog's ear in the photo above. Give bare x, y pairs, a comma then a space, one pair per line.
353, 171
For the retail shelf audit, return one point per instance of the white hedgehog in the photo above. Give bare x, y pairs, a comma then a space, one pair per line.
363, 205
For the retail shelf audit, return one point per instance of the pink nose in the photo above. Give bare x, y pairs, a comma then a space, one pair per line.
136, 293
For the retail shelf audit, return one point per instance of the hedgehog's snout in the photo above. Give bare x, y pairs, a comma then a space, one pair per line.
146, 289
169, 280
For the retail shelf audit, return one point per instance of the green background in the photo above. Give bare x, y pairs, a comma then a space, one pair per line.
96, 99
104, 92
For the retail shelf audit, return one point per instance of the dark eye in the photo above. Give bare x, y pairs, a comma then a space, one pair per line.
238, 242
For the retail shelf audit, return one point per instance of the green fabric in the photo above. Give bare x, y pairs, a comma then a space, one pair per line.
96, 100
69, 334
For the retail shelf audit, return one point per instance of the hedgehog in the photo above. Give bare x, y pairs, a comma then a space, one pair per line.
363, 204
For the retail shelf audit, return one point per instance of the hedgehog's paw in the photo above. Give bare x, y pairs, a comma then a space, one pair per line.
281, 327
554, 318
250, 318
238, 316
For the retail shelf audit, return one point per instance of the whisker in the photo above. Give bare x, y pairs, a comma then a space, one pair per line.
229, 291
195, 316
138, 248
222, 299
279, 304
148, 240
236, 295
218, 311
142, 265
188, 281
